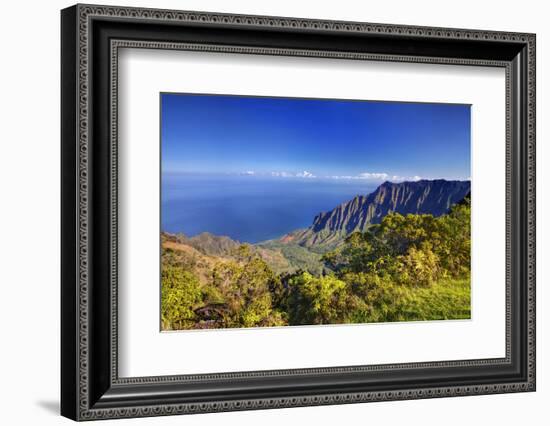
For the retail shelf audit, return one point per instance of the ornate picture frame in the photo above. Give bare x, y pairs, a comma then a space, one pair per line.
91, 37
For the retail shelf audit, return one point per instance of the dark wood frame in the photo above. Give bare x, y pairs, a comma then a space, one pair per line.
91, 37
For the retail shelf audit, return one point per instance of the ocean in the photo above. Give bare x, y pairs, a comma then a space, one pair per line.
250, 208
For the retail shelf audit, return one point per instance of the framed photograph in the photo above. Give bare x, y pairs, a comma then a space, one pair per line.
263, 212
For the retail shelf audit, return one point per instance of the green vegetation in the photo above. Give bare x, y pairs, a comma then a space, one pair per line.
181, 294
235, 293
297, 257
407, 268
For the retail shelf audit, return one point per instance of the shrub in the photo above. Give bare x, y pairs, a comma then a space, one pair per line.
181, 294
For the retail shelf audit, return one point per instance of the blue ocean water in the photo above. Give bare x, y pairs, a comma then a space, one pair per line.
249, 208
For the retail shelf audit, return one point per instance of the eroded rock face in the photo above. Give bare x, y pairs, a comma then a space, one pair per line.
420, 197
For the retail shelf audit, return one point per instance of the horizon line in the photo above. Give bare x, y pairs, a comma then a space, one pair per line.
306, 175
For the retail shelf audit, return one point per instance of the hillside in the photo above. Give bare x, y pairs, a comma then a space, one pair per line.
205, 249
175, 251
210, 244
421, 197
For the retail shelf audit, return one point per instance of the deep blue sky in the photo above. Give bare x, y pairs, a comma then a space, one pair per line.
216, 134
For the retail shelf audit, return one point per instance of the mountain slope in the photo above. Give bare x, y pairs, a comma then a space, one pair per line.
420, 197
209, 247
210, 244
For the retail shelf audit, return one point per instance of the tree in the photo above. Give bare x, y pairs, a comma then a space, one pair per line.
181, 295
246, 293
419, 266
413, 249
390, 269
317, 300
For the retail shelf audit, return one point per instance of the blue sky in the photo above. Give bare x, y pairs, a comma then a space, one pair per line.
314, 138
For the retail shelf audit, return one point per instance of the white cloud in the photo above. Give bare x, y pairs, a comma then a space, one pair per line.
370, 176
373, 176
405, 178
378, 176
281, 174
305, 174
342, 177
365, 175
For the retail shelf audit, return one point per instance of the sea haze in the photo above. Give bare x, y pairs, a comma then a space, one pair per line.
249, 208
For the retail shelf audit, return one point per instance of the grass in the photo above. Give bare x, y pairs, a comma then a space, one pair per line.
445, 299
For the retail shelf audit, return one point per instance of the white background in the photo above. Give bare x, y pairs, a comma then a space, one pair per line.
29, 218
141, 345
